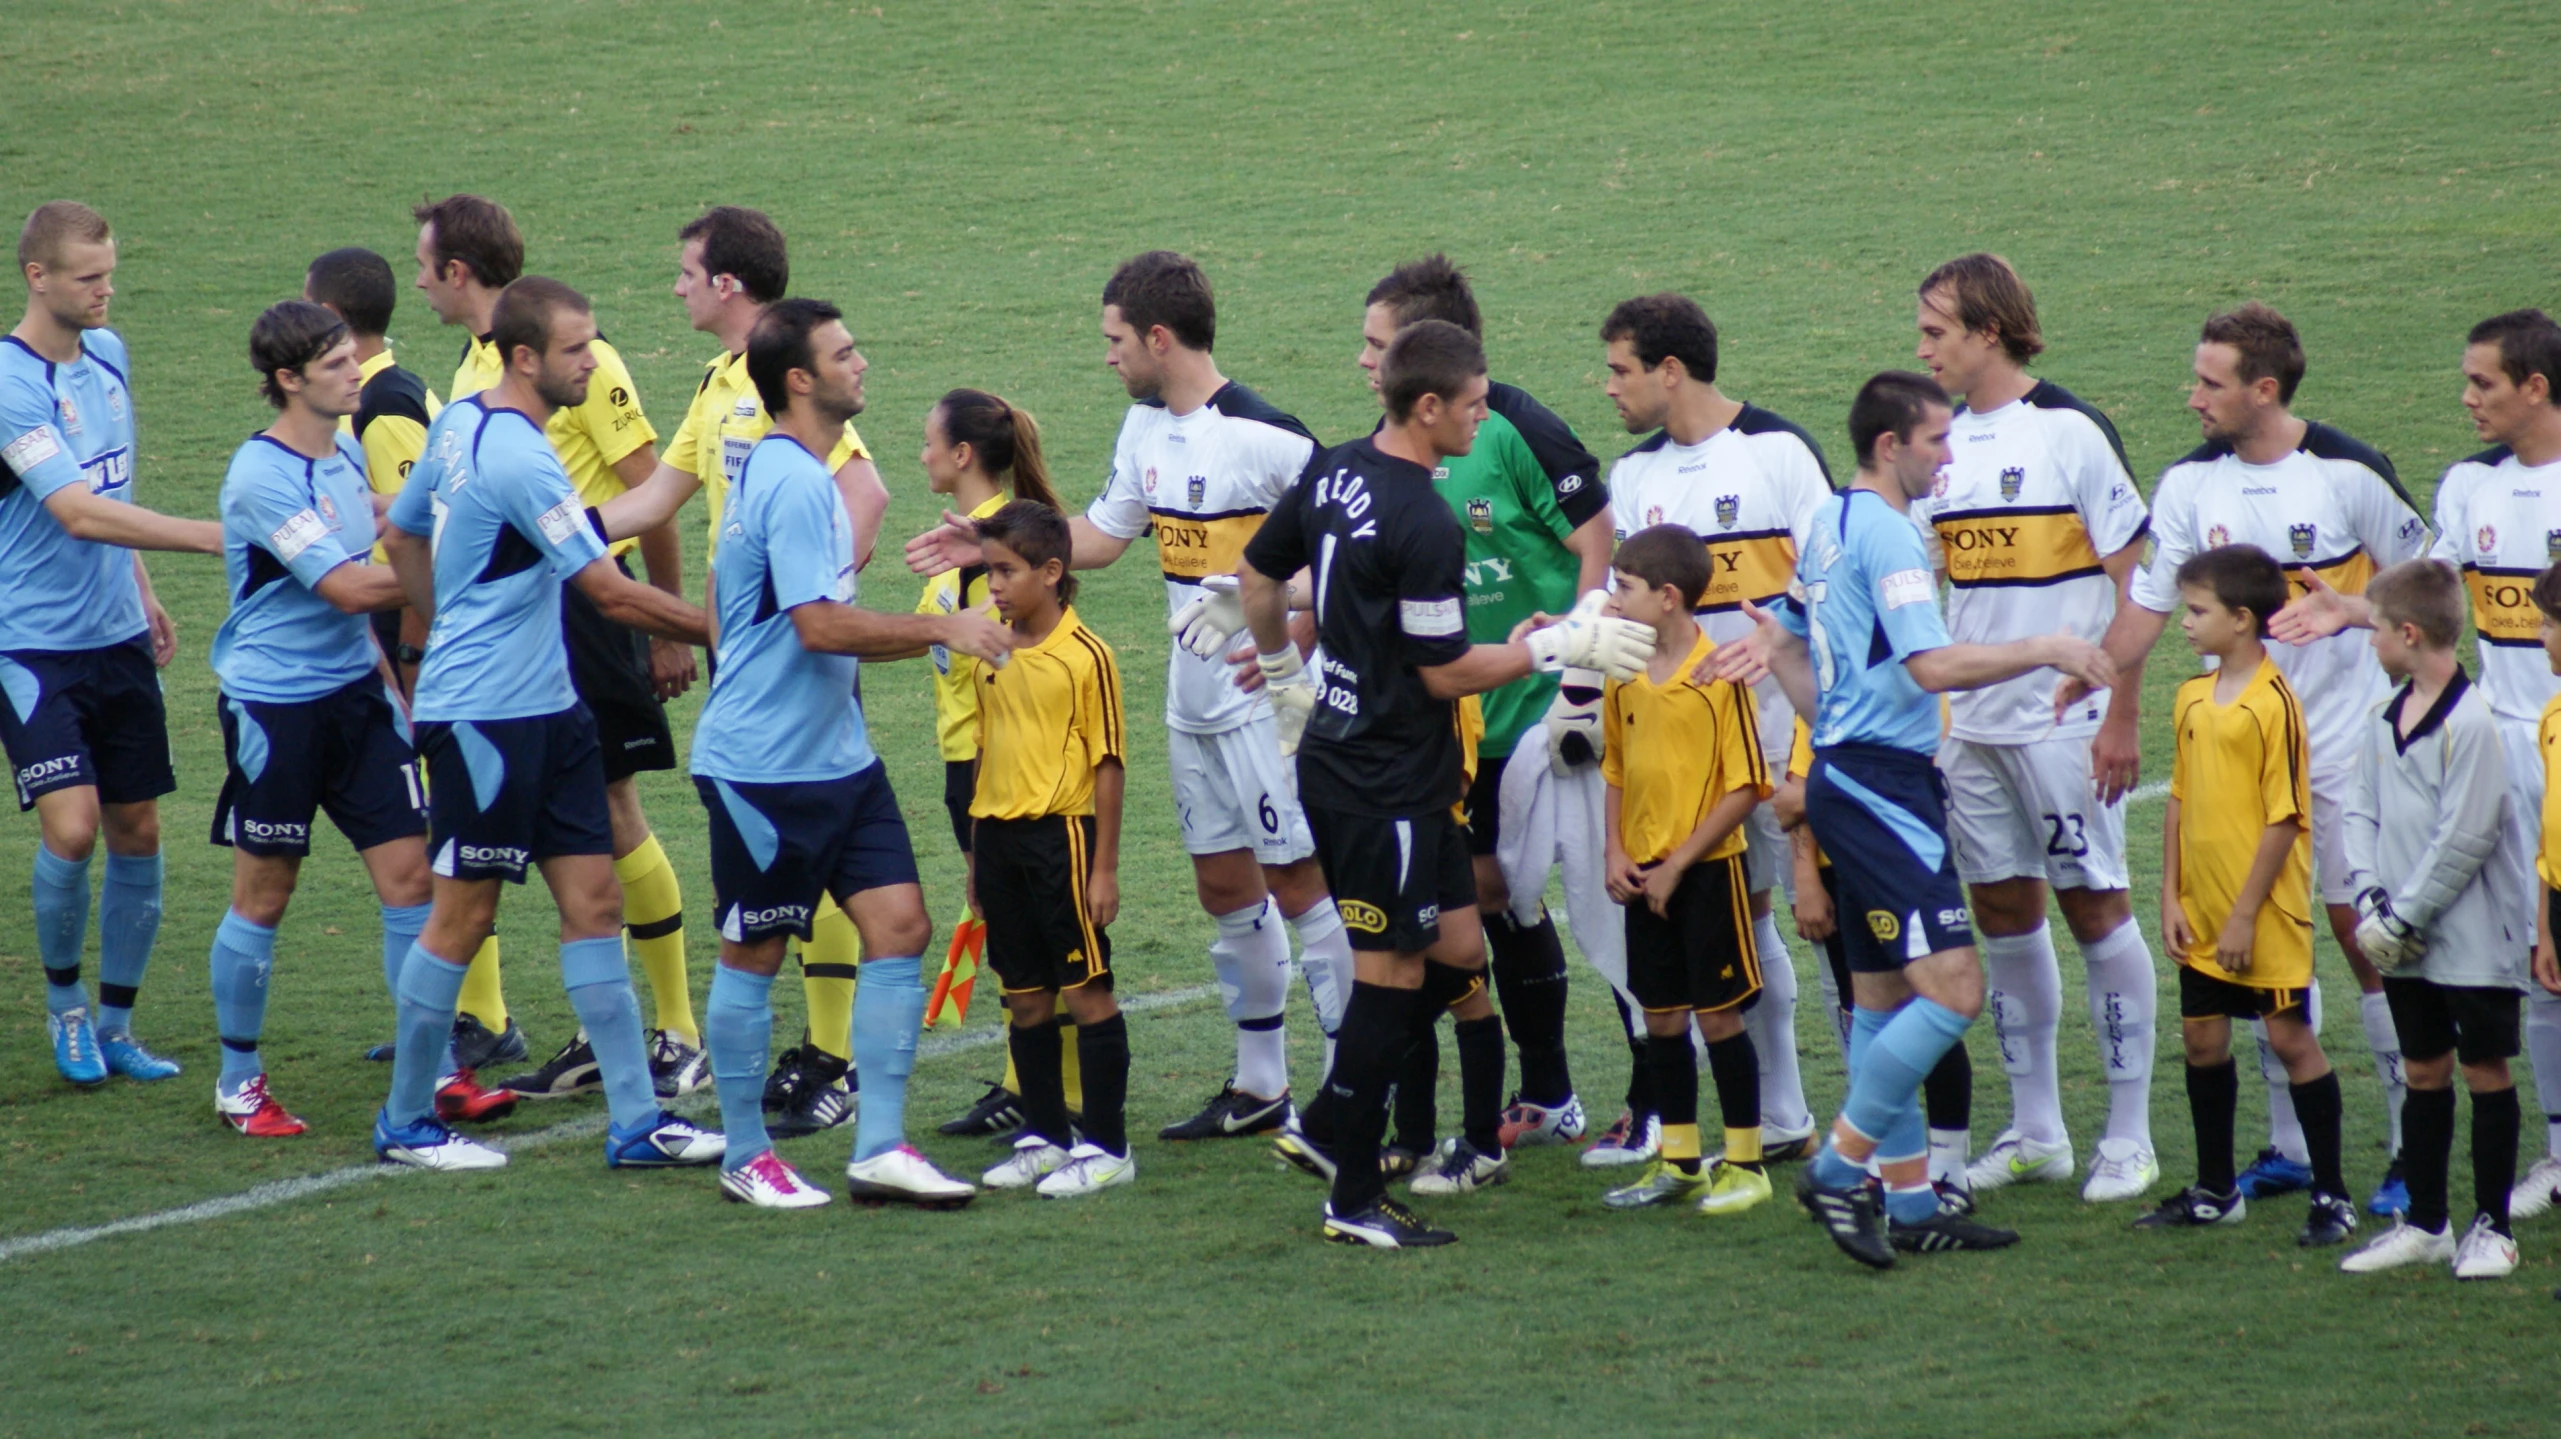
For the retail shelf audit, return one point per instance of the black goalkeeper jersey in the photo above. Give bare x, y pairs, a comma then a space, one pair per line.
1389, 563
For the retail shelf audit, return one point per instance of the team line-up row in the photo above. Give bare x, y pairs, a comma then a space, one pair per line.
2032, 517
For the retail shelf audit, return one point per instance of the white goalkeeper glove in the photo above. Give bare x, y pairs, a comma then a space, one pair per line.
1574, 722
1208, 625
1587, 639
1293, 696
2387, 939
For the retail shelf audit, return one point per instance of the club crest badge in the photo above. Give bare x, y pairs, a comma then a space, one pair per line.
2486, 539
70, 416
328, 511
1938, 485
1653, 515
1151, 479
1195, 490
2300, 538
1729, 508
1480, 516
2217, 537
115, 405
2013, 480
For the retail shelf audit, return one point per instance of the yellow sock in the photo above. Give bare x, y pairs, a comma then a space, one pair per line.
827, 964
1069, 1069
482, 997
1743, 1146
653, 912
1680, 1142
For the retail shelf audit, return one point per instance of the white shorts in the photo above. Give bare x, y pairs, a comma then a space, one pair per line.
2330, 836
2026, 811
1234, 791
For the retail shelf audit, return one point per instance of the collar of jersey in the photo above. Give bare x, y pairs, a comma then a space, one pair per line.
2432, 720
1700, 649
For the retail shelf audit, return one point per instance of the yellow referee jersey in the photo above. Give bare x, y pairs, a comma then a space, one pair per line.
956, 676
393, 410
2240, 768
1673, 750
1045, 721
592, 436
2547, 849
723, 423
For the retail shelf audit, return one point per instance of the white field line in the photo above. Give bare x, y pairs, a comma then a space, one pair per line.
285, 1191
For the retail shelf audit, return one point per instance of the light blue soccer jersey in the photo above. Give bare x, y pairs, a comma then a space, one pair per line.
63, 425
1865, 601
507, 530
288, 520
779, 713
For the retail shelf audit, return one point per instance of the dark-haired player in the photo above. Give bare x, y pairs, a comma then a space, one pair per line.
1381, 764
81, 637
1747, 483
2320, 502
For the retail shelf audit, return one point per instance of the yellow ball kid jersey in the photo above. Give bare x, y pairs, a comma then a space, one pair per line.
723, 423
1045, 720
956, 676
590, 436
2240, 768
2547, 848
1673, 750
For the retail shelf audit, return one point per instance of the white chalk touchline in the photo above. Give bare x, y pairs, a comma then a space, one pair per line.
285, 1191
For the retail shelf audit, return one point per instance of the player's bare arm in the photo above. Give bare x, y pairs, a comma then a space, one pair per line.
2116, 751
1102, 886
86, 516
828, 627
2232, 946
413, 563
2176, 936
627, 601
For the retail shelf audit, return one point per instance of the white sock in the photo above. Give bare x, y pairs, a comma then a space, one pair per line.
1325, 963
1948, 1156
1251, 955
2385, 1041
2543, 1047
2027, 1005
2125, 1003
2285, 1131
1772, 1025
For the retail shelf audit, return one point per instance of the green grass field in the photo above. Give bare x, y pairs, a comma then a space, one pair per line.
962, 178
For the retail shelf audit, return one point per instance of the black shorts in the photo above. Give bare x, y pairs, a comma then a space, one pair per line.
960, 786
345, 753
70, 718
502, 794
609, 667
1699, 954
1484, 804
1031, 887
2476, 1024
2211, 996
775, 848
1881, 815
1391, 878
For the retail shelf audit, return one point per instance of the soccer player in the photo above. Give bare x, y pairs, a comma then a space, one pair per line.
1685, 769
731, 263
309, 721
2437, 843
1747, 483
468, 251
511, 751
2318, 500
1860, 646
2496, 514
799, 802
1200, 460
1047, 813
1381, 765
2236, 887
80, 637
2040, 525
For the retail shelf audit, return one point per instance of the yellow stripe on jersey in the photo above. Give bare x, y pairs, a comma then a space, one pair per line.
1673, 750
1193, 547
2037, 546
2239, 768
1045, 721
2547, 850
2503, 605
1756, 567
1470, 720
2348, 574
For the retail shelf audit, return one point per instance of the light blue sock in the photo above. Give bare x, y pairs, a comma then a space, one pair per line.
738, 1029
128, 921
401, 926
62, 925
1897, 1060
430, 989
1865, 1024
599, 982
244, 953
889, 1007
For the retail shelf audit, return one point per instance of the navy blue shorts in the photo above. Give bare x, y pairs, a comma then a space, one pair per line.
1881, 814
344, 753
86, 717
775, 848
502, 794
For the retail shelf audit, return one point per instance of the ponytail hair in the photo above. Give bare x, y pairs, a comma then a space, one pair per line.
1005, 440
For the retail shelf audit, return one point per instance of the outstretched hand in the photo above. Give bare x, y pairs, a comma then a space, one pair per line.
2317, 613
1745, 661
951, 545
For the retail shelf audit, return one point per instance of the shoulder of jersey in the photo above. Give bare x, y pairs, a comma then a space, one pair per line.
1647, 446
108, 349
710, 369
2325, 442
1524, 413
1239, 403
1756, 421
392, 391
2489, 459
2204, 454
2050, 396
352, 452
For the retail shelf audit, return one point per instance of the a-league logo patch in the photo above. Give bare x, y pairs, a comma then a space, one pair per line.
2487, 540
1367, 918
2300, 537
1729, 508
1480, 516
2217, 537
1884, 926
1653, 516
1195, 490
1151, 479
2013, 480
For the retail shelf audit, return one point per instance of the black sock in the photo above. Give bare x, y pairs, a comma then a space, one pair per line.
2317, 1105
1641, 1100
2496, 1118
1378, 1027
2213, 1091
1417, 1096
1480, 1083
2427, 1149
1530, 975
1102, 1051
1948, 1092
1736, 1066
1037, 1052
1316, 1116
1673, 1066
